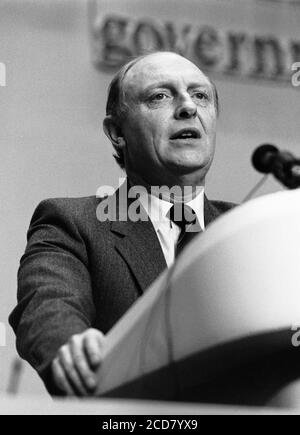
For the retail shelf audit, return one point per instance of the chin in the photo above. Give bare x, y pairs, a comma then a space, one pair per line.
188, 164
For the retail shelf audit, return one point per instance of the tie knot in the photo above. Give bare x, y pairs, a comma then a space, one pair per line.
184, 216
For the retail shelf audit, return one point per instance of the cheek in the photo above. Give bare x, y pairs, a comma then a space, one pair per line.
135, 132
155, 122
140, 126
146, 131
213, 123
213, 135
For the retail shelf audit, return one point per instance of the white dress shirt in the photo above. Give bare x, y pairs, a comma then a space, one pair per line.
168, 232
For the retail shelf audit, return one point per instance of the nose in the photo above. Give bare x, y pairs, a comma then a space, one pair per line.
186, 108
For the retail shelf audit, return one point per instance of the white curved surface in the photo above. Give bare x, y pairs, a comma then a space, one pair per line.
238, 279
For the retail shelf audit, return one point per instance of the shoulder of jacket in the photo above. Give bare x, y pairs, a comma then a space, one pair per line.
223, 205
66, 209
69, 205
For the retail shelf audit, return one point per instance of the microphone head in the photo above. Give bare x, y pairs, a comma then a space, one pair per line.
263, 158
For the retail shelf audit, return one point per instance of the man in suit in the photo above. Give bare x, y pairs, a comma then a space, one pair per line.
80, 273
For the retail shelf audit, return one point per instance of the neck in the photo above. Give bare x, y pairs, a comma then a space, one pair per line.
179, 190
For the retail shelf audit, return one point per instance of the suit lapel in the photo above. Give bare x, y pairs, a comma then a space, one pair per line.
141, 250
210, 212
138, 245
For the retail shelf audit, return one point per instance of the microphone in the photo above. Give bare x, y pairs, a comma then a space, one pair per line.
268, 159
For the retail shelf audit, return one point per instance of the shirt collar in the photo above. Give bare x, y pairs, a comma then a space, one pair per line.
157, 209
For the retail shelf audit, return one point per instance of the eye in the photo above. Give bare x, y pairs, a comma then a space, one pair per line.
158, 97
201, 95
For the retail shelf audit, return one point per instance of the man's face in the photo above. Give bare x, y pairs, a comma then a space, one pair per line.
170, 124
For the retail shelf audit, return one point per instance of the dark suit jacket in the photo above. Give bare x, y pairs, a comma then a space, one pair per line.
78, 273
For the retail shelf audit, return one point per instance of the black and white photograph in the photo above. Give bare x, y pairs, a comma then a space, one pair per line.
150, 210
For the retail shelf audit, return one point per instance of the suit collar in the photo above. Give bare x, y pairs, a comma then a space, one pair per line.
141, 250
138, 245
158, 208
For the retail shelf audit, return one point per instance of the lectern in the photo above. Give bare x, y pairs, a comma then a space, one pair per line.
221, 325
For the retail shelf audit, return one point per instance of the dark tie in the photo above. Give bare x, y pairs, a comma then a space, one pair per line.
185, 217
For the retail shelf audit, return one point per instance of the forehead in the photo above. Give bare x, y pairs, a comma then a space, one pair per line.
162, 68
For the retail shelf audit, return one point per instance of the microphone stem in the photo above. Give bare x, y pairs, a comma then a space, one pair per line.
14, 379
255, 188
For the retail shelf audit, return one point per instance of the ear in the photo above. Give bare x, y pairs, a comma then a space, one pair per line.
114, 133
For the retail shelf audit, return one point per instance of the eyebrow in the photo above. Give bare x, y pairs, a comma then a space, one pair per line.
169, 85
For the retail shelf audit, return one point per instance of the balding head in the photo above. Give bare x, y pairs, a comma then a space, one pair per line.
161, 119
117, 104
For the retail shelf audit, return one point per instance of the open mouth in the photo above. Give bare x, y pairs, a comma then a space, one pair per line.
186, 133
